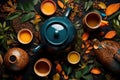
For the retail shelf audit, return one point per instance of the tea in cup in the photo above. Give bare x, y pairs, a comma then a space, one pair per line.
42, 67
48, 7
92, 20
25, 36
73, 57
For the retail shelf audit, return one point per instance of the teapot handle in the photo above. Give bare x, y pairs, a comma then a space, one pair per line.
35, 50
68, 12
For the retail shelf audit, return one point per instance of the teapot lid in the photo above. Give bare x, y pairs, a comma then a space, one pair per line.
57, 31
56, 34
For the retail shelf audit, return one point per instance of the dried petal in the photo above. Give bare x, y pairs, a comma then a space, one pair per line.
102, 5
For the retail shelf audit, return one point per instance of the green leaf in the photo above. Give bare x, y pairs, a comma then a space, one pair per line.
4, 24
1, 37
6, 28
28, 7
0, 25
67, 69
119, 17
78, 74
88, 5
13, 15
88, 77
20, 6
87, 69
35, 2
28, 16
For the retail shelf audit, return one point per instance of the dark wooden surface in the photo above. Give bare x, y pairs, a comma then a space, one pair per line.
28, 72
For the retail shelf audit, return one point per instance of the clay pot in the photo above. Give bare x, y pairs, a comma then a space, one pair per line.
108, 53
16, 59
42, 67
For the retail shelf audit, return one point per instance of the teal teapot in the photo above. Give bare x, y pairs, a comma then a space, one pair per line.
57, 32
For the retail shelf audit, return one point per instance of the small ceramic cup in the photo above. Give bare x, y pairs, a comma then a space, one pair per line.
25, 36
42, 67
48, 7
73, 57
92, 20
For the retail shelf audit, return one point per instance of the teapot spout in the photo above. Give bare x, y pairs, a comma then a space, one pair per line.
96, 44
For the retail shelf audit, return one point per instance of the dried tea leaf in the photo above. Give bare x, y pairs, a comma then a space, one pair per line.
58, 67
112, 8
56, 77
85, 36
102, 5
111, 34
60, 4
96, 71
